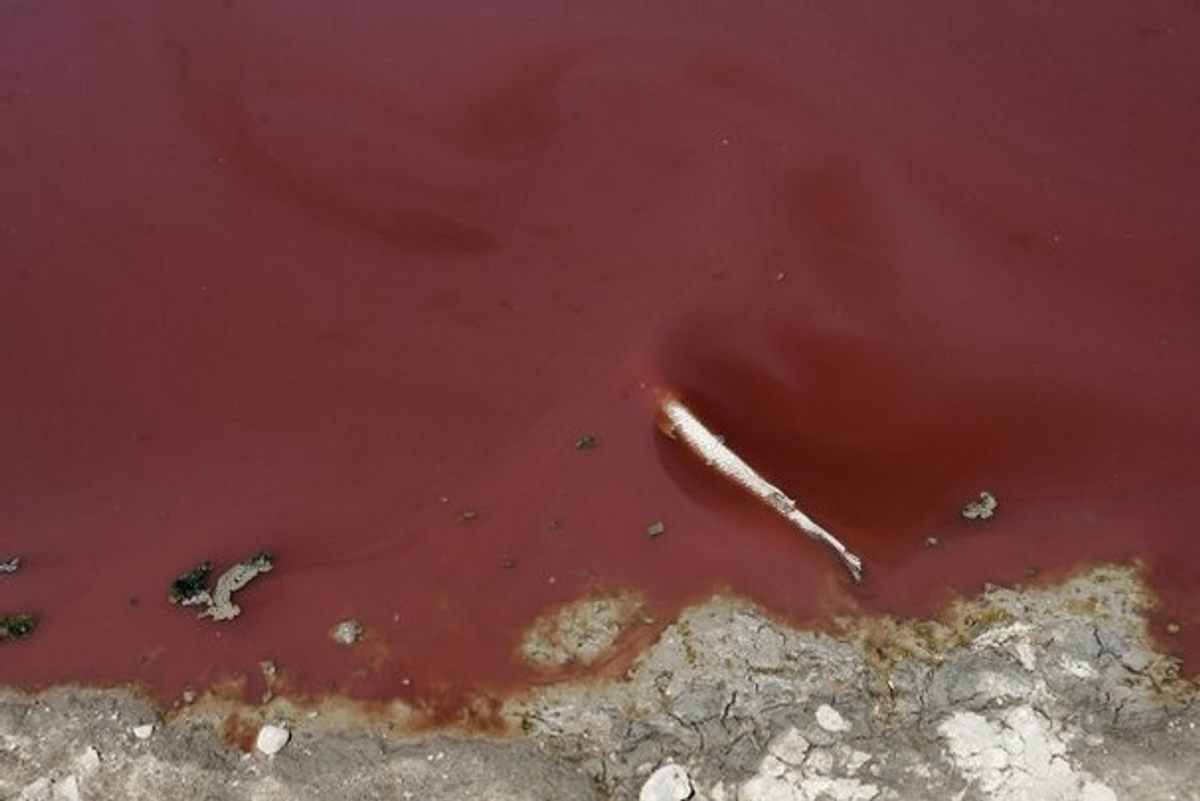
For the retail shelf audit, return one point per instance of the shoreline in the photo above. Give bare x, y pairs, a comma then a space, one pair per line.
1057, 689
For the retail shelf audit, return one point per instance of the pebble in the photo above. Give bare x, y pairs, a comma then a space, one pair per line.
67, 789
271, 739
831, 720
89, 760
143, 732
668, 783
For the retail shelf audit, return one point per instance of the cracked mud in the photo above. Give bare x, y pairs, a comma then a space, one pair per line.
1052, 693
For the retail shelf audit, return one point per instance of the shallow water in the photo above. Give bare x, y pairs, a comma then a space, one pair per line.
316, 280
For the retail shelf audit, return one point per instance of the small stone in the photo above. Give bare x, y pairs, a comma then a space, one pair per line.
36, 790
1096, 791
89, 760
831, 720
790, 748
467, 515
656, 529
346, 633
271, 739
668, 783
931, 542
188, 697
11, 565
67, 789
144, 731
1173, 628
820, 762
587, 442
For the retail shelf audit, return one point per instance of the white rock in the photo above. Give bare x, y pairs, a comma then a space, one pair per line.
1018, 756
819, 762
271, 739
89, 760
831, 720
1097, 791
143, 732
790, 747
67, 789
854, 760
36, 790
668, 783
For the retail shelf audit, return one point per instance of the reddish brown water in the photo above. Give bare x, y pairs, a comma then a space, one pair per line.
314, 278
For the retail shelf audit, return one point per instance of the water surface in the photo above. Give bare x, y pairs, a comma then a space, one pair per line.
318, 278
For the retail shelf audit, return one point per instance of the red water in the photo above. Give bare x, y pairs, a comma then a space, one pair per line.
315, 278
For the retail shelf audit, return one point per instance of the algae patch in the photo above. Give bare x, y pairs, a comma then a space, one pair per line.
17, 627
189, 589
581, 632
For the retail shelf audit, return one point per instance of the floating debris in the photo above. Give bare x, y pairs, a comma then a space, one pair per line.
17, 627
10, 565
232, 580
682, 424
656, 529
932, 542
467, 515
587, 442
190, 589
1174, 628
346, 633
981, 509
